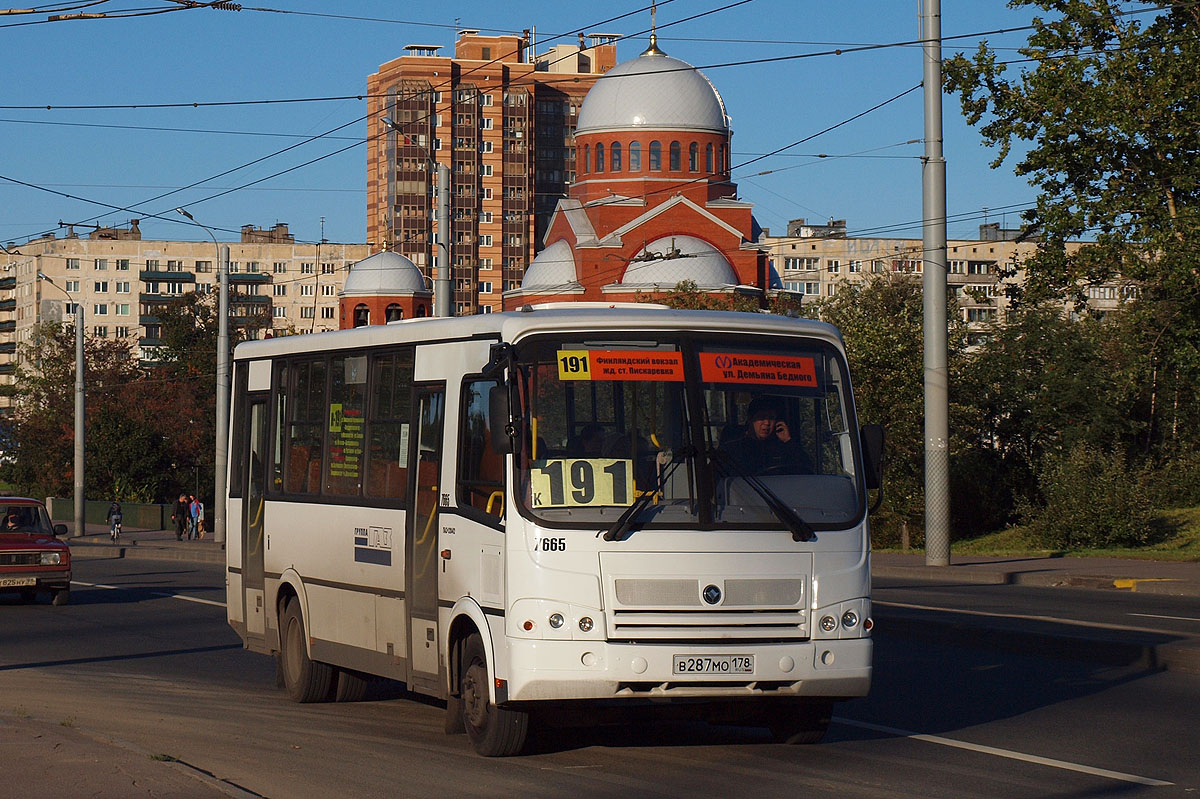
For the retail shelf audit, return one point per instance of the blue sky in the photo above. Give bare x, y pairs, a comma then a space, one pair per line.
204, 55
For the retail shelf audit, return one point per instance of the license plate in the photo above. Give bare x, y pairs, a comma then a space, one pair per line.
14, 582
714, 664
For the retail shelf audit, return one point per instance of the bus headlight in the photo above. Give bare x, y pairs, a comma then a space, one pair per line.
586, 624
849, 619
828, 623
556, 620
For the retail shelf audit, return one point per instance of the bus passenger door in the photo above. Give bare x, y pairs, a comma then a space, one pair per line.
254, 491
422, 538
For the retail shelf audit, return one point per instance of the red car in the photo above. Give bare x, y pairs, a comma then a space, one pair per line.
32, 558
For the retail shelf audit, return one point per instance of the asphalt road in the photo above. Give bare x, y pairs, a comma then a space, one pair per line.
143, 658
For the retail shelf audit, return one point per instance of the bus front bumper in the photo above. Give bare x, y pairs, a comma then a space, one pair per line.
564, 670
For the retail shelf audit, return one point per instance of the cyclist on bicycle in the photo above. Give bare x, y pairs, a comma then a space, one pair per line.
114, 521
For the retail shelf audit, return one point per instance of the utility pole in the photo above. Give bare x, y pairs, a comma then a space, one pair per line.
443, 306
933, 204
80, 429
222, 454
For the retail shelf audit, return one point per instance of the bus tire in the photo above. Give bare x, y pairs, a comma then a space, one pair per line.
350, 686
493, 731
800, 723
304, 680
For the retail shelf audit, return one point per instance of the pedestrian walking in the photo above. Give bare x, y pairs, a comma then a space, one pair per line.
181, 515
199, 518
193, 517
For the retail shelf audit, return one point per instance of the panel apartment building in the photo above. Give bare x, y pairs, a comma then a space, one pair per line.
503, 121
121, 280
816, 260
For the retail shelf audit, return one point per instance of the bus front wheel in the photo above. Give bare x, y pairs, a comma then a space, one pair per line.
304, 680
493, 731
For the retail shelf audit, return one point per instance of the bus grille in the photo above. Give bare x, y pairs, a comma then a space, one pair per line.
666, 609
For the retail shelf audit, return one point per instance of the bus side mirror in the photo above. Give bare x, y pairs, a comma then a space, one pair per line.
500, 418
871, 436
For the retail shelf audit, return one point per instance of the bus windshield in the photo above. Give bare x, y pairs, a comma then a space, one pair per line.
687, 430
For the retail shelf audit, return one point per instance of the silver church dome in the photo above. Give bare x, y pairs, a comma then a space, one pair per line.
655, 92
383, 274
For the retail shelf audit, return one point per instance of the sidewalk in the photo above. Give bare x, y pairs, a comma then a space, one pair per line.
149, 544
1174, 578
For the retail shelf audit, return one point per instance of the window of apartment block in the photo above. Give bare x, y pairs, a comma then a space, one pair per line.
174, 288
485, 240
100, 286
327, 269
121, 309
151, 286
812, 287
122, 264
279, 312
485, 123
980, 314
72, 285
122, 286
485, 263
100, 309
279, 290
252, 266
121, 331
306, 269
328, 291
485, 100
854, 267
151, 265
174, 266
485, 287
101, 264
327, 312
958, 267
100, 331
307, 312
831, 289
203, 266
234, 266
979, 267
306, 291
279, 267
72, 263
834, 267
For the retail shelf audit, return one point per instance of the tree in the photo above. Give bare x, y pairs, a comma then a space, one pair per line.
1110, 102
881, 322
688, 295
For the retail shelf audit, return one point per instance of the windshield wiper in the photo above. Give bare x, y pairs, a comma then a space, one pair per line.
624, 523
801, 530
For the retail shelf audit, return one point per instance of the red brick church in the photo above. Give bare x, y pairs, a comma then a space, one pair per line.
652, 206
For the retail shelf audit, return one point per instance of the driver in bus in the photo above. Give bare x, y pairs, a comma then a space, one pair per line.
767, 447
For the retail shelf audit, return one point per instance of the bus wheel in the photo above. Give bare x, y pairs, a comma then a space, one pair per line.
351, 686
800, 723
304, 680
493, 731
62, 596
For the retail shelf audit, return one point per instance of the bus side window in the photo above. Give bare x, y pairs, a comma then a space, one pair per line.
388, 409
480, 467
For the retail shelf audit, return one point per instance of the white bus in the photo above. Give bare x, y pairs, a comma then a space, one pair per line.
566, 506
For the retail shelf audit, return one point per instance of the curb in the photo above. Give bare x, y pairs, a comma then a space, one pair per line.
99, 551
975, 575
1146, 651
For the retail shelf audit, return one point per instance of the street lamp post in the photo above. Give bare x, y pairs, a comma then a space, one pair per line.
221, 455
80, 430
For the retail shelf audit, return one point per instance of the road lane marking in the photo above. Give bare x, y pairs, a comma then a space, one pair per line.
1026, 617
1006, 753
1171, 618
183, 597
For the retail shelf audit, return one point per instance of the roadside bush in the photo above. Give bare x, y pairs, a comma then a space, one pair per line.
1091, 501
1176, 484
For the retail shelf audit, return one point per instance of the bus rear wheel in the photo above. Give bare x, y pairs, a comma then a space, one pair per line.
493, 731
800, 723
304, 680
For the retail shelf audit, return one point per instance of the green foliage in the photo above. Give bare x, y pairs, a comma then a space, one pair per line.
689, 296
1090, 500
1109, 103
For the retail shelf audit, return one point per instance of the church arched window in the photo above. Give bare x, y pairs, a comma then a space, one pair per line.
635, 156
615, 156
599, 157
693, 157
362, 315
676, 157
655, 156
393, 313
